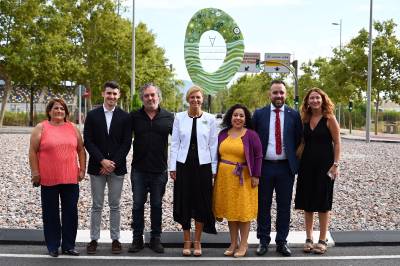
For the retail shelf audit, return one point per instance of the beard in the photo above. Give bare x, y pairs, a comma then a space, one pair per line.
278, 103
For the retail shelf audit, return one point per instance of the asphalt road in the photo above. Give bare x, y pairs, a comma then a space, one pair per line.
36, 255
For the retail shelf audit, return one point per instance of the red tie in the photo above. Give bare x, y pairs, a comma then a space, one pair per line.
278, 142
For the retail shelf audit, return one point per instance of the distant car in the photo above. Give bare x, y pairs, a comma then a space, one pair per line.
219, 115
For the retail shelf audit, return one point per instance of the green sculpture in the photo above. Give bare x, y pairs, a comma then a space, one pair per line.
213, 19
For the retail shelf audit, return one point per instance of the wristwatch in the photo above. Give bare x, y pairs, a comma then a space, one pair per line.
336, 164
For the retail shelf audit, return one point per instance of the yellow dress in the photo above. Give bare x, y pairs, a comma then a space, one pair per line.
231, 200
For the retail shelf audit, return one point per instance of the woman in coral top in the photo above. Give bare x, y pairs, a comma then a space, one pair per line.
56, 146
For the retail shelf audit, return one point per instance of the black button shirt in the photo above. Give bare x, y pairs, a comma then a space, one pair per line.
150, 140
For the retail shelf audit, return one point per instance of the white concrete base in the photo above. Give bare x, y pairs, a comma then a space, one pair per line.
295, 239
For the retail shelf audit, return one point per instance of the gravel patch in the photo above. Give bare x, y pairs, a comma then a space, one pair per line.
366, 195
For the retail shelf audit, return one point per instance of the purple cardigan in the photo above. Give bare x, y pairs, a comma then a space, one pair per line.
252, 150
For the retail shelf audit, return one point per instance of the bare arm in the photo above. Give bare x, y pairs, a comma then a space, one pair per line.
81, 156
33, 151
335, 133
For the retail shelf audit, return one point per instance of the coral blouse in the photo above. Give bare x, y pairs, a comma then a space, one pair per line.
58, 157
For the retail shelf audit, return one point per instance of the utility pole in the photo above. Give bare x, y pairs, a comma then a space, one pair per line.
296, 85
369, 80
340, 50
133, 54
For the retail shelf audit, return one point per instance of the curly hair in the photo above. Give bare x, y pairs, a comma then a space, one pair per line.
227, 121
327, 105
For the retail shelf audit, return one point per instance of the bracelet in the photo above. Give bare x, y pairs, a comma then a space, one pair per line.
336, 164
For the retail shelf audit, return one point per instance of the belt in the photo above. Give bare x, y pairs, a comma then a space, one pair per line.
238, 169
276, 161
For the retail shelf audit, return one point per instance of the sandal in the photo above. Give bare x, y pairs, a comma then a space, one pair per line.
197, 251
321, 247
308, 246
230, 251
240, 252
186, 248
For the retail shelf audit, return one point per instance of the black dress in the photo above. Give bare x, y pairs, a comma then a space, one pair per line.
314, 189
193, 190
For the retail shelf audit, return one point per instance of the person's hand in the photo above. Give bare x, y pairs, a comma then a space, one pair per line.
35, 180
172, 174
333, 172
104, 171
81, 175
108, 165
254, 181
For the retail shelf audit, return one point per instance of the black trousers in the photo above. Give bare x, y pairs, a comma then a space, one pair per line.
56, 230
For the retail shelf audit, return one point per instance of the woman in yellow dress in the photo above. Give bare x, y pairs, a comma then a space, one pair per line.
235, 195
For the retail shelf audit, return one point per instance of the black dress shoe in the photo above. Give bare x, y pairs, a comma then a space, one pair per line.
262, 249
54, 253
155, 245
137, 245
284, 249
71, 252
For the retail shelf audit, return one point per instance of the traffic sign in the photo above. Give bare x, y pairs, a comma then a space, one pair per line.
276, 62
250, 63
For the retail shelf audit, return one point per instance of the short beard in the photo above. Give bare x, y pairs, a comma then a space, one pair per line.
276, 106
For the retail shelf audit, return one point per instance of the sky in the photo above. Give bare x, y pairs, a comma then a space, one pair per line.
302, 28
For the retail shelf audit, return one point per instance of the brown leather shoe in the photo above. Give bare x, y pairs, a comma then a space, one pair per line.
91, 247
116, 247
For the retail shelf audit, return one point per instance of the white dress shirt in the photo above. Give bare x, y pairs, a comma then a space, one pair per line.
270, 154
109, 115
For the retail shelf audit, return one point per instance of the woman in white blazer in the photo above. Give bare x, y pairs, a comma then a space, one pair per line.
193, 164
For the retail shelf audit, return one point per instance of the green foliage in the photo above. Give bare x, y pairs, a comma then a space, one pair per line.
344, 76
21, 118
136, 103
43, 43
250, 90
391, 116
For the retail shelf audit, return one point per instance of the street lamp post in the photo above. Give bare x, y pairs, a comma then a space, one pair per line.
369, 79
340, 51
340, 33
133, 53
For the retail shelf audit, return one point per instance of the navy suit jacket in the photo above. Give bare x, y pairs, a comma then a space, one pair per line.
100, 144
292, 132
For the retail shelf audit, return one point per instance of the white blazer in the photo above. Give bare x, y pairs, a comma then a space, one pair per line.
207, 139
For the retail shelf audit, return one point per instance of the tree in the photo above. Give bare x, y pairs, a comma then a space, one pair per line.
152, 66
386, 63
35, 48
103, 40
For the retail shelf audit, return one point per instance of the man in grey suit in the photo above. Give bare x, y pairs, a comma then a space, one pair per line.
280, 129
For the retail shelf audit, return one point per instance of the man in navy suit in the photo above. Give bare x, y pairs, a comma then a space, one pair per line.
107, 138
279, 128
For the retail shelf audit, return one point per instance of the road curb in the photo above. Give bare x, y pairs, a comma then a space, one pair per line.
174, 239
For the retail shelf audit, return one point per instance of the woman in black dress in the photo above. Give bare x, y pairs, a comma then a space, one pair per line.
193, 164
318, 165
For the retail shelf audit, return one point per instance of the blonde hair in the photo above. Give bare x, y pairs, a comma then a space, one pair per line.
194, 89
327, 105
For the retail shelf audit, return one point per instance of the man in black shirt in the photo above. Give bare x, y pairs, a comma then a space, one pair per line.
151, 126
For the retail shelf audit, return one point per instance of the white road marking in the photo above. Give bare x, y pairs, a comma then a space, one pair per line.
303, 258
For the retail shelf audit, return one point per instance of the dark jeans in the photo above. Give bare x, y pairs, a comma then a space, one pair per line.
54, 230
143, 183
278, 177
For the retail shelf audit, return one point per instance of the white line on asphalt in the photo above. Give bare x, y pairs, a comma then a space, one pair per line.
377, 257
